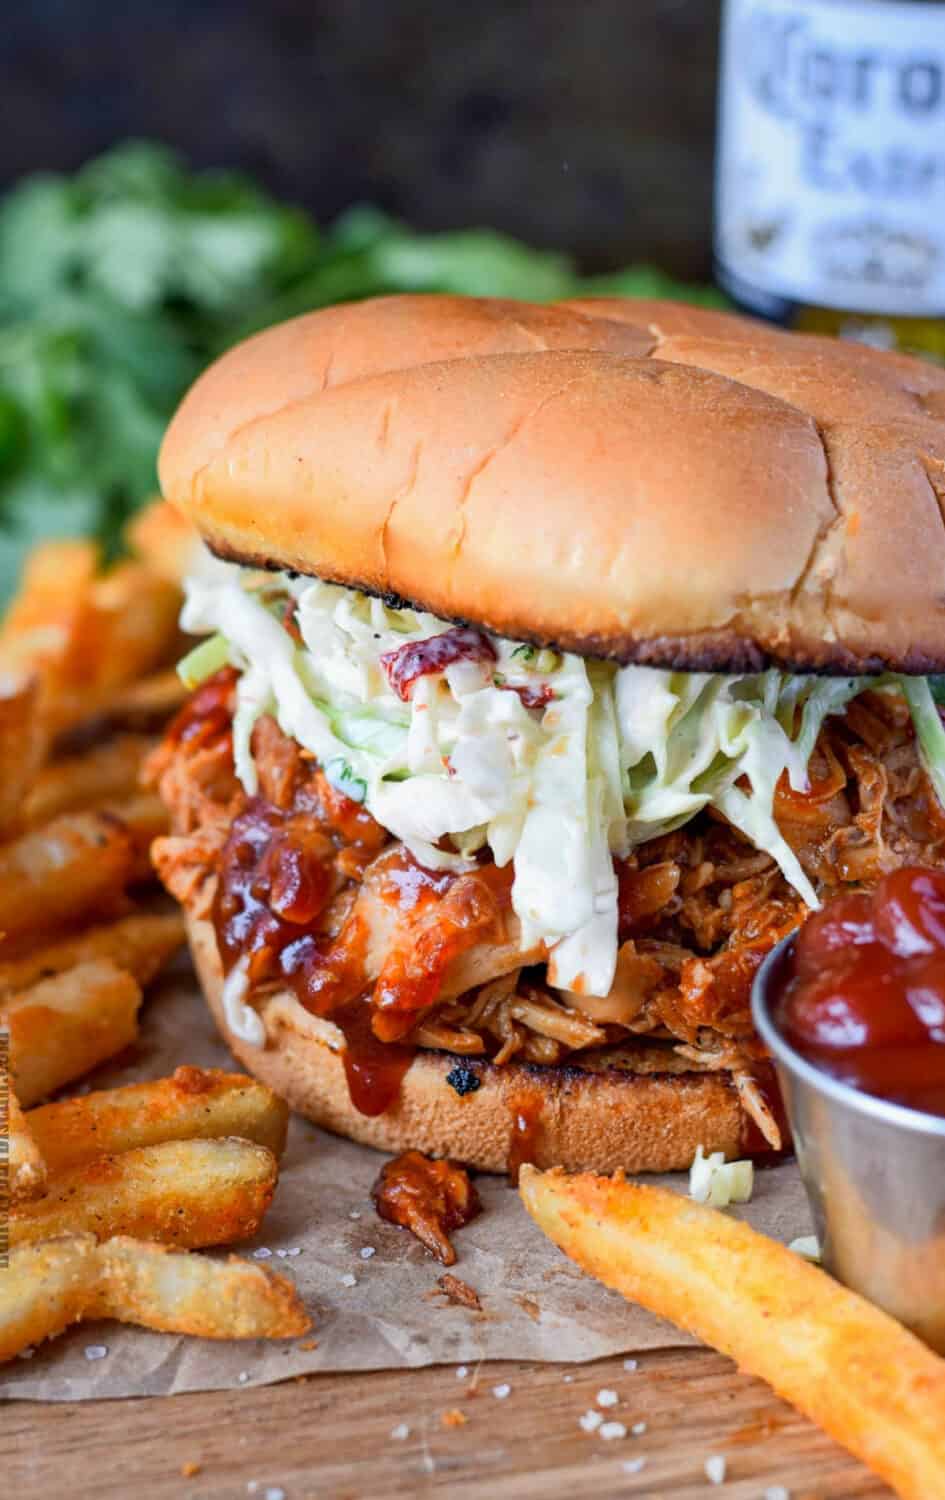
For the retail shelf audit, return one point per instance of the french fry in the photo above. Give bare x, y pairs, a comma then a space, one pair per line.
164, 539
26, 1167
104, 773
138, 612
145, 817
54, 593
184, 1193
849, 1367
76, 866
145, 704
194, 1104
22, 747
62, 1027
48, 1287
141, 944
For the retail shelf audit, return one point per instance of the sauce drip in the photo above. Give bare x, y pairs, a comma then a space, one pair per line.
526, 1133
430, 1198
420, 658
374, 1070
208, 713
866, 1001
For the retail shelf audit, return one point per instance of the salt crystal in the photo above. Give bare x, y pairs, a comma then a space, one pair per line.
252, 1486
243, 1376
349, 1280
462, 1371
807, 1246
612, 1430
282, 1254
568, 1379
633, 1465
777, 1492
354, 1214
590, 1421
638, 1429
26, 1354
274, 1493
262, 1253
501, 1391
607, 1398
400, 1432
367, 1252
296, 1250
631, 1364
95, 1351
715, 1469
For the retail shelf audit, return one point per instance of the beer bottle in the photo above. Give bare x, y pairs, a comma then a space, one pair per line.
830, 167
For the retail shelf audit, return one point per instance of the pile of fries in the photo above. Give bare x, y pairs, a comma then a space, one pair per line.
103, 1195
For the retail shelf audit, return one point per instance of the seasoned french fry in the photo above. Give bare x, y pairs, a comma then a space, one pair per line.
22, 747
27, 1169
141, 944
164, 539
146, 819
181, 1293
76, 866
44, 1289
62, 1027
106, 772
195, 1103
138, 611
185, 1193
48, 1287
145, 704
849, 1367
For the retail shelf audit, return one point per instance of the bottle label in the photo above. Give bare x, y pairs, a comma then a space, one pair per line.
830, 183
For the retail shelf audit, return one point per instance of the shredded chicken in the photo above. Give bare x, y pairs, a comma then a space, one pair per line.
699, 908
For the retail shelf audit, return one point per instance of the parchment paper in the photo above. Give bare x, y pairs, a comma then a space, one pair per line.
535, 1304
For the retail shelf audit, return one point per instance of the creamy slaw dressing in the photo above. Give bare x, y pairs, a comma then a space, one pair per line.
617, 757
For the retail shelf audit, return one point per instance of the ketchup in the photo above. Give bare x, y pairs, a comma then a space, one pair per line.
866, 1001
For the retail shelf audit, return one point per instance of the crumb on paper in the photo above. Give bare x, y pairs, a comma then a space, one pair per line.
500, 1392
308, 1345
190, 1469
590, 1421
607, 1398
715, 1469
807, 1246
453, 1418
400, 1433
458, 1291
611, 1430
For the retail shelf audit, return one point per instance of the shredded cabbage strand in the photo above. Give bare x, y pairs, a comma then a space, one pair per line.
617, 756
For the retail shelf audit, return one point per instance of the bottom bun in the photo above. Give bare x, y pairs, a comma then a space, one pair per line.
638, 1107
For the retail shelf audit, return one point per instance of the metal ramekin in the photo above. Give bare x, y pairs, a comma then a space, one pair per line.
874, 1174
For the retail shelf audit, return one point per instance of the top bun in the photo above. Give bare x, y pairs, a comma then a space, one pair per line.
635, 480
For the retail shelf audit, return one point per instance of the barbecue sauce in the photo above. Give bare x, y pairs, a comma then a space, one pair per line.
866, 1001
526, 1133
430, 1198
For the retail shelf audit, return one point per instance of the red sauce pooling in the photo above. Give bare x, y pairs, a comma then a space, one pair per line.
867, 998
419, 658
374, 1070
208, 713
526, 1132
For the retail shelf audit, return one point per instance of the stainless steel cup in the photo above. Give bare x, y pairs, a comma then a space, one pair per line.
874, 1174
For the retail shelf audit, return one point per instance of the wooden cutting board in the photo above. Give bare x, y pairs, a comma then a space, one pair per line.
329, 1437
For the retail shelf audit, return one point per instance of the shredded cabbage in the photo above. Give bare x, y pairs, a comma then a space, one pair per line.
616, 756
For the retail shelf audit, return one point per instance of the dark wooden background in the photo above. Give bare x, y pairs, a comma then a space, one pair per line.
581, 124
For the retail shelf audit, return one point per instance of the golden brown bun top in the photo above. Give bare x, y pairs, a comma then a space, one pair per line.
640, 480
